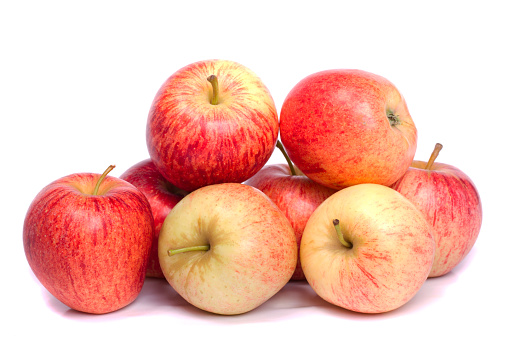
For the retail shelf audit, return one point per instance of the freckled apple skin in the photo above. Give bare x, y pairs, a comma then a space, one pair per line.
297, 197
161, 195
334, 127
451, 203
89, 251
392, 253
252, 255
194, 143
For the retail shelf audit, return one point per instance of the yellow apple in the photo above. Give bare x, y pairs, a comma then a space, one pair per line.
367, 249
227, 248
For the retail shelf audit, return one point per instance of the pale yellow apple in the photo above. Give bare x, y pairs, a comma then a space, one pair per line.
391, 253
247, 250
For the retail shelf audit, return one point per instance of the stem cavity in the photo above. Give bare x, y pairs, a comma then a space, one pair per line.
189, 249
290, 164
215, 89
101, 178
394, 120
433, 157
343, 241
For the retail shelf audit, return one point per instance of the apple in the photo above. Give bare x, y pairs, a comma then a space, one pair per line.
345, 127
296, 195
227, 248
450, 201
87, 238
367, 249
161, 195
211, 122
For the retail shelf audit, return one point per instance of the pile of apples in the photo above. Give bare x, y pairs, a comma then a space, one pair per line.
351, 211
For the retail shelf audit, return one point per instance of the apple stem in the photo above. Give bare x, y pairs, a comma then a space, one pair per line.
394, 120
215, 89
290, 164
434, 155
343, 241
101, 178
188, 249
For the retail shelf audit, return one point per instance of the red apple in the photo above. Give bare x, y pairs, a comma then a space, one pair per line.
161, 195
347, 127
296, 195
87, 239
211, 122
451, 203
227, 248
367, 249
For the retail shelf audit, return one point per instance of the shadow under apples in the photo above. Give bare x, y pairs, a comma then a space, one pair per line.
157, 297
53, 303
294, 295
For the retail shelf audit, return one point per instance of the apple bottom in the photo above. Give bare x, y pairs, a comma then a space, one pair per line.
390, 255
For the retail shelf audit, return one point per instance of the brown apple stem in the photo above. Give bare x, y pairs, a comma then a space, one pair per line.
394, 120
215, 89
342, 240
290, 164
189, 249
433, 157
101, 178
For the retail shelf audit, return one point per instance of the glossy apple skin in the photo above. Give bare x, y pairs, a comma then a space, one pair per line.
297, 197
392, 253
89, 251
252, 255
194, 143
161, 195
334, 127
451, 203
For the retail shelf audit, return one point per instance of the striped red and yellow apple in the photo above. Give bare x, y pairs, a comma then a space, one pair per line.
345, 127
452, 205
162, 197
211, 122
294, 194
87, 239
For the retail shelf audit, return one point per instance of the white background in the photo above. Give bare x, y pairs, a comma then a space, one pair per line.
77, 80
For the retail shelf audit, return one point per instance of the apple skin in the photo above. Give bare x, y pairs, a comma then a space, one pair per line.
336, 128
297, 197
392, 253
252, 255
161, 195
194, 143
89, 251
450, 201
